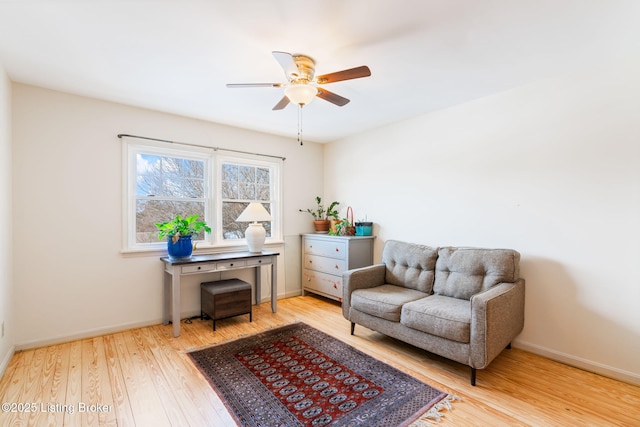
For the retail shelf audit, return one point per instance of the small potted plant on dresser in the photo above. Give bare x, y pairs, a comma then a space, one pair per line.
179, 232
321, 216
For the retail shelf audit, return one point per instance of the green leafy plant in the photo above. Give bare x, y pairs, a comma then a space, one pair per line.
343, 228
179, 226
320, 214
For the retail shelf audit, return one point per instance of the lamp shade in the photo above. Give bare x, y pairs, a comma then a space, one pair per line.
301, 94
254, 212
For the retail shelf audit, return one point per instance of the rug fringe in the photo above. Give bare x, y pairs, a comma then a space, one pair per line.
434, 414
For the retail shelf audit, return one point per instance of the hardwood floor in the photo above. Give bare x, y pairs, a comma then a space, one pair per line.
142, 377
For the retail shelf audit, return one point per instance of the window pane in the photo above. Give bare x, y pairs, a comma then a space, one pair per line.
247, 174
148, 212
263, 192
235, 230
169, 177
229, 190
229, 172
183, 188
247, 191
263, 176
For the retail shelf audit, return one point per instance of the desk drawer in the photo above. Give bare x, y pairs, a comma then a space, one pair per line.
259, 261
230, 265
335, 249
198, 268
325, 265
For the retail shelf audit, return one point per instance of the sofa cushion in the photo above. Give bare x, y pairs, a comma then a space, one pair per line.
409, 265
441, 316
384, 301
463, 272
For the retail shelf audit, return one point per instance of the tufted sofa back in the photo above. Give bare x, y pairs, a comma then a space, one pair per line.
463, 272
409, 265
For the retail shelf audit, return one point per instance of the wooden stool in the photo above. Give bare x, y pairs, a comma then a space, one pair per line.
225, 298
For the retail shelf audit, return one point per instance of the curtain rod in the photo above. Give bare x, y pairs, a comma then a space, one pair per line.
122, 135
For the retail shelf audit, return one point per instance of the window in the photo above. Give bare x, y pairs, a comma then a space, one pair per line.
163, 182
240, 185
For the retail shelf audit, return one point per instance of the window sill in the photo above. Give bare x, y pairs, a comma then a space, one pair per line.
201, 249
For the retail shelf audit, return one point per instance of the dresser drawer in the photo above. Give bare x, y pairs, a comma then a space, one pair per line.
324, 264
322, 283
337, 249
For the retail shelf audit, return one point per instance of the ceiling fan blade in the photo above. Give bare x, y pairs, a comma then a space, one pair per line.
283, 103
287, 63
352, 73
236, 85
332, 97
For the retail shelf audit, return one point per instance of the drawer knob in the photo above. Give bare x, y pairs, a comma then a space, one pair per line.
335, 286
337, 267
199, 267
337, 250
231, 264
259, 261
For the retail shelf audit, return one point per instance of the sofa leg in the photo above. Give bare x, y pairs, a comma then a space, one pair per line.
473, 376
353, 327
509, 346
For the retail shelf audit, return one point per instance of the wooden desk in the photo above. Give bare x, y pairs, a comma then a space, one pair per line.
175, 268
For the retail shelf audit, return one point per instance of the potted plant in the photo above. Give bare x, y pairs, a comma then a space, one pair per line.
178, 232
321, 216
344, 228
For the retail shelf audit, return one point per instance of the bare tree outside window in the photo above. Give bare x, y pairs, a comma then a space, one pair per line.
166, 186
241, 185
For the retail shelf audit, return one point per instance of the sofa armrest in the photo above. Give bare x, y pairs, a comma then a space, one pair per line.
497, 317
360, 278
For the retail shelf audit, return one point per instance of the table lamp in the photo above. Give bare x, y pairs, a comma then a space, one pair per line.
255, 233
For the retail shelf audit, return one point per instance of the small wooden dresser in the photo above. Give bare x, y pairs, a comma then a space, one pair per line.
325, 258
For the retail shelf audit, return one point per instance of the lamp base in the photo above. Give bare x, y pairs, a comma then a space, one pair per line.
255, 235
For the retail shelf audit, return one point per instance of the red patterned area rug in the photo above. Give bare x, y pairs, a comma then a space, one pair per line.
298, 376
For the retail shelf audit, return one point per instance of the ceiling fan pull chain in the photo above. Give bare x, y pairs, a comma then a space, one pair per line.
300, 123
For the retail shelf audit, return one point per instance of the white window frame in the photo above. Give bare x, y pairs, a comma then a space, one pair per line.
213, 197
276, 190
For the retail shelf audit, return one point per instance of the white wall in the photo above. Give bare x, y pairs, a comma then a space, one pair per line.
6, 251
71, 279
551, 169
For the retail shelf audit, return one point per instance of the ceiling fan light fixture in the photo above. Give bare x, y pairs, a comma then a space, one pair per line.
300, 93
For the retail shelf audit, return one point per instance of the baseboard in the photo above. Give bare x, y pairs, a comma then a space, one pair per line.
92, 333
89, 333
578, 362
6, 360
290, 294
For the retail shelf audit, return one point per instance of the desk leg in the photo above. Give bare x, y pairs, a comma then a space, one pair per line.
274, 285
258, 281
175, 304
166, 309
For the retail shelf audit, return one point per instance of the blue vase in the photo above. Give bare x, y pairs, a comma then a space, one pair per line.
180, 249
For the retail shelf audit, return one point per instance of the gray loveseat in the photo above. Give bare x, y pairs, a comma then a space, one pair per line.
465, 304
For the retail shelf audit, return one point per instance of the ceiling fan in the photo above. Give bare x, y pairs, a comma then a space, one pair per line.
302, 84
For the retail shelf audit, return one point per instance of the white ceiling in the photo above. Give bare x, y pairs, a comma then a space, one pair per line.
177, 55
